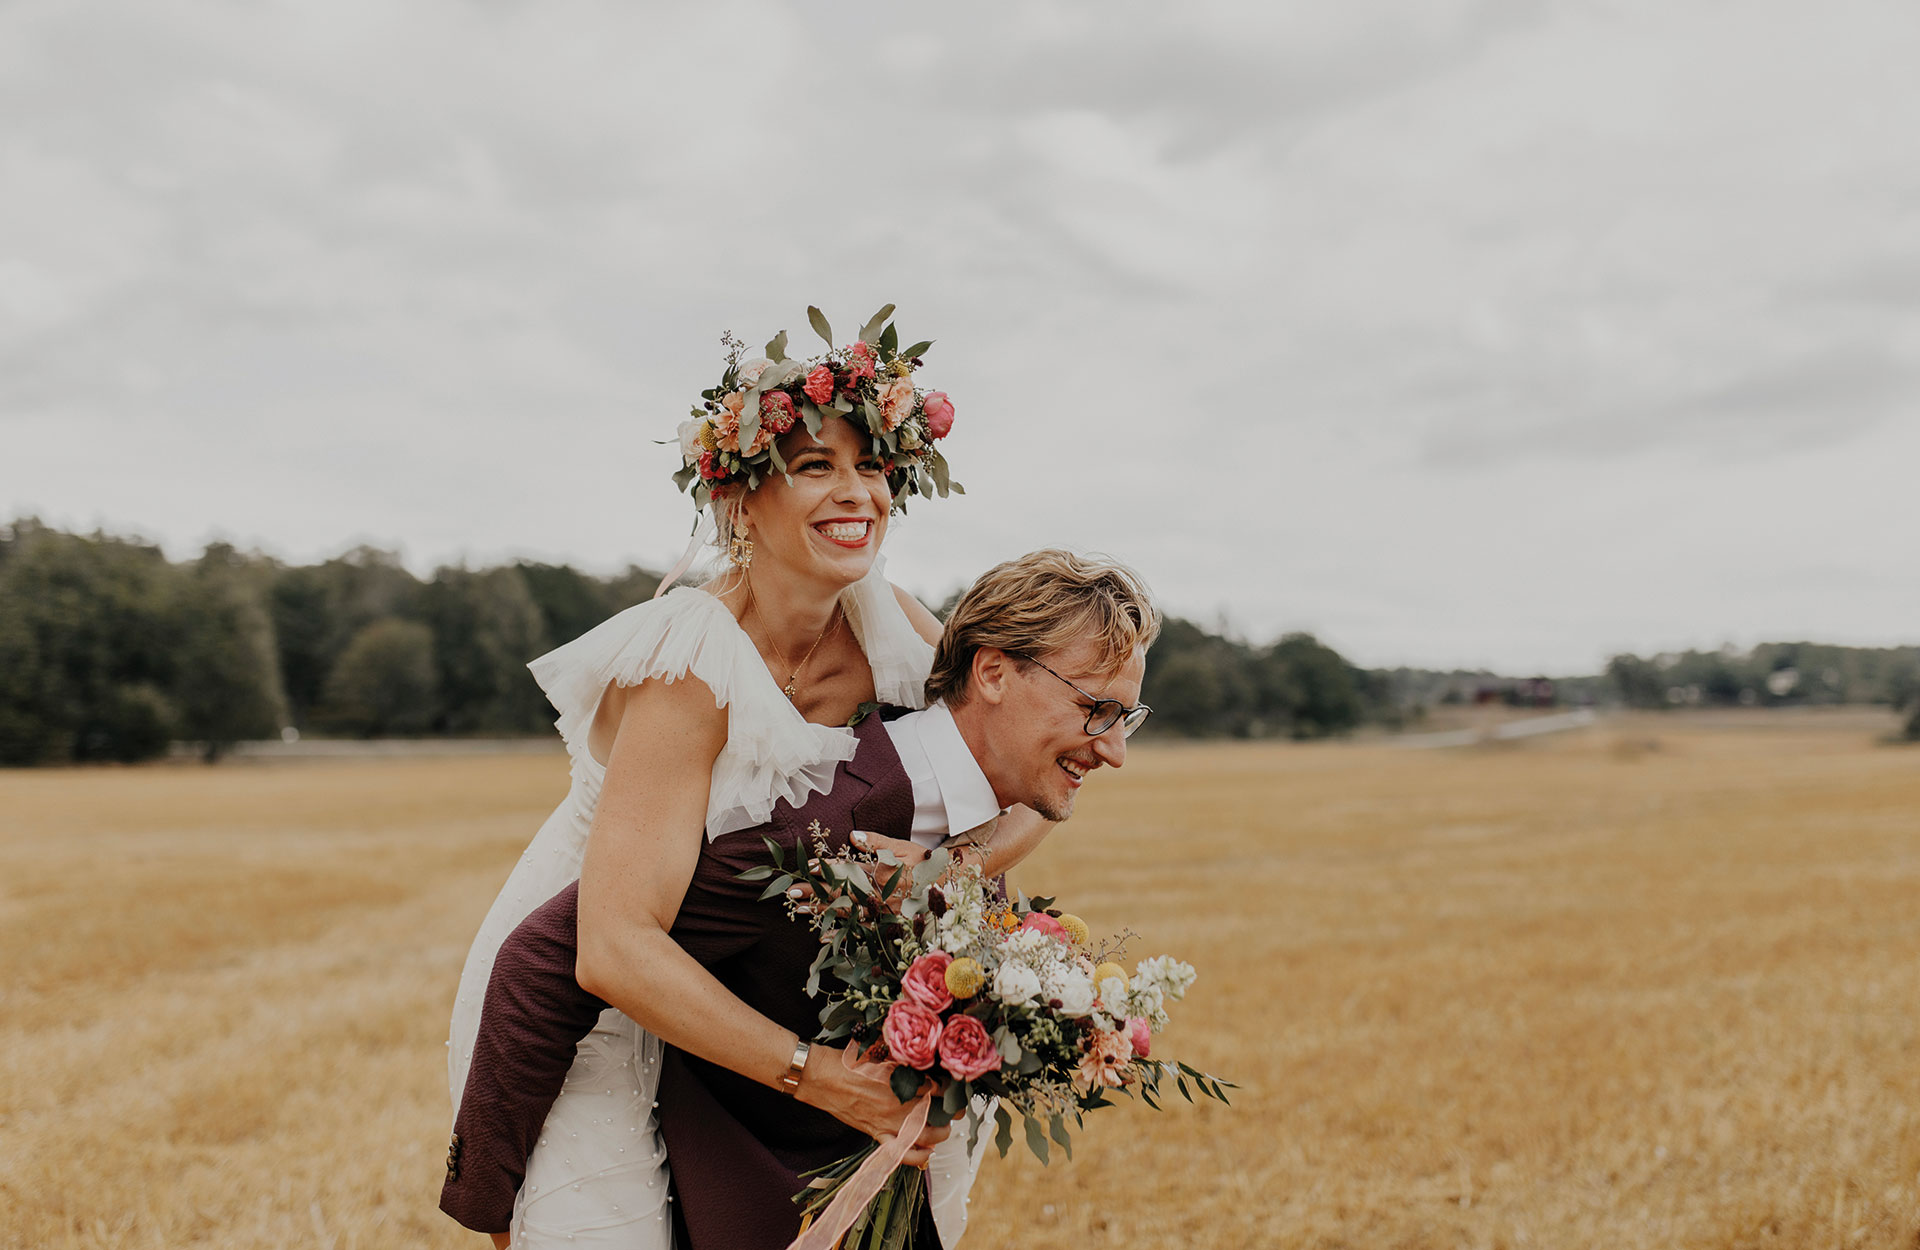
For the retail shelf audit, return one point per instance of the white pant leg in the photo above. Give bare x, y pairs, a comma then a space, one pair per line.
598, 1176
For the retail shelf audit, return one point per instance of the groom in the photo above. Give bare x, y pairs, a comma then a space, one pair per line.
1035, 684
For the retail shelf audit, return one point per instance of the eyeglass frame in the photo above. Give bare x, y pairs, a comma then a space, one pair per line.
1120, 719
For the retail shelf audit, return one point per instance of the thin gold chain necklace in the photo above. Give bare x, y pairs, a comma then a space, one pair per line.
753, 606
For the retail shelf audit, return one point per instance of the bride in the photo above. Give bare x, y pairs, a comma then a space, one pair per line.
702, 709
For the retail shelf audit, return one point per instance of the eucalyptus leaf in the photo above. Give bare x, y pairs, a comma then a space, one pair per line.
870, 331
890, 340
1036, 1139
1057, 1129
918, 349
905, 1082
955, 1099
818, 320
1003, 1133
777, 347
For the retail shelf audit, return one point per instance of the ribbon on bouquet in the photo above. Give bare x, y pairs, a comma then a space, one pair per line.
871, 1176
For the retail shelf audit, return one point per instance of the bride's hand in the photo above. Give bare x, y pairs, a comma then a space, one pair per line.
860, 1101
907, 853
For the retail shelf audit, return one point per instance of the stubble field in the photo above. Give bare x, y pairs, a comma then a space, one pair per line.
1656, 984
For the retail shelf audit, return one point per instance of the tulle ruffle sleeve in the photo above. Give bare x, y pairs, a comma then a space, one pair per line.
897, 654
772, 752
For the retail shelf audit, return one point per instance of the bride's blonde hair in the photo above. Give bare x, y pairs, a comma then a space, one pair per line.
1040, 603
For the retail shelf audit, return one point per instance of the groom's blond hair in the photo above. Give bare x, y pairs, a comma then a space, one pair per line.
1043, 602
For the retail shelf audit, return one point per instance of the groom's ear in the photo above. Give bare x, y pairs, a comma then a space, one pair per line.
992, 668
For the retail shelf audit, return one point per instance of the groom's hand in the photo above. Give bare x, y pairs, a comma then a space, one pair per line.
907, 853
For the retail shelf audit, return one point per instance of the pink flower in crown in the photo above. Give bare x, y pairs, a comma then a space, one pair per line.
1105, 1061
711, 470
896, 403
926, 981
726, 423
819, 385
1044, 923
1140, 1036
912, 1034
966, 1050
939, 410
859, 361
776, 412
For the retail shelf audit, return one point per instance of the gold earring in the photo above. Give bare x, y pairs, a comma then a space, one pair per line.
740, 547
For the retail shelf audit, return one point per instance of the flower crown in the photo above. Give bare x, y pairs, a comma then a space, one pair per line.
730, 440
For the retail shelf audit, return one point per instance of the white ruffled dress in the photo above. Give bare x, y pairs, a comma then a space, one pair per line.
598, 1177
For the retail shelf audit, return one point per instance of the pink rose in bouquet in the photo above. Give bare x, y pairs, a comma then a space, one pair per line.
966, 1050
912, 1034
1141, 1036
1044, 923
819, 385
925, 982
939, 410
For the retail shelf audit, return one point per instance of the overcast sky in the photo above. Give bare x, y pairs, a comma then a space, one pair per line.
1482, 333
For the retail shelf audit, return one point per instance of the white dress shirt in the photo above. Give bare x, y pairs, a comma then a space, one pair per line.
950, 793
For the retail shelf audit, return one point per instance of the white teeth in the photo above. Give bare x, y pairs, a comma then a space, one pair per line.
1073, 769
845, 531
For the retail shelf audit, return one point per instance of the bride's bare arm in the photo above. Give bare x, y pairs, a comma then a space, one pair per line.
641, 854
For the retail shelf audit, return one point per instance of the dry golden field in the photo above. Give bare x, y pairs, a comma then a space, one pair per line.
1656, 984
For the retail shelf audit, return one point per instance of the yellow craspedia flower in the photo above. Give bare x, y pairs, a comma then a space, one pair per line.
708, 439
1108, 969
965, 977
1077, 931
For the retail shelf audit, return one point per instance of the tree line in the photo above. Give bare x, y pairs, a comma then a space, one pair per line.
109, 651
1774, 674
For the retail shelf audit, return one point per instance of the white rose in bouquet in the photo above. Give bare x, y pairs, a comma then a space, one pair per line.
1016, 985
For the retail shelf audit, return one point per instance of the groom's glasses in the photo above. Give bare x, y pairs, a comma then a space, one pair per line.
1104, 714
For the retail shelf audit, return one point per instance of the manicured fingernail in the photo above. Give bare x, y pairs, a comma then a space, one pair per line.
857, 838
797, 891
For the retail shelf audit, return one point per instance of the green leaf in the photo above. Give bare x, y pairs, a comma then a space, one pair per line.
918, 349
756, 874
955, 1099
1057, 1129
870, 332
818, 321
1003, 1133
773, 452
1036, 1139
937, 465
777, 347
1184, 1091
905, 1082
889, 341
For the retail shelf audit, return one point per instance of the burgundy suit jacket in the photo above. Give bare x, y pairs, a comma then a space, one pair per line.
736, 1148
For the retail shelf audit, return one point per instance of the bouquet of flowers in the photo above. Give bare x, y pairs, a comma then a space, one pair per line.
967, 996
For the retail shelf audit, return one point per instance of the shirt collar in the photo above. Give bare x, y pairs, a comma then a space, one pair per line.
964, 789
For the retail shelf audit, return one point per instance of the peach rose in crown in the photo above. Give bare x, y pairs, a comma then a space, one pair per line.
819, 385
966, 1050
912, 1034
926, 981
726, 424
896, 403
939, 410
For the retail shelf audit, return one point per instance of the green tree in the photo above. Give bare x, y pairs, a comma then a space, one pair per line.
1311, 686
486, 627
227, 684
385, 682
570, 602
318, 609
